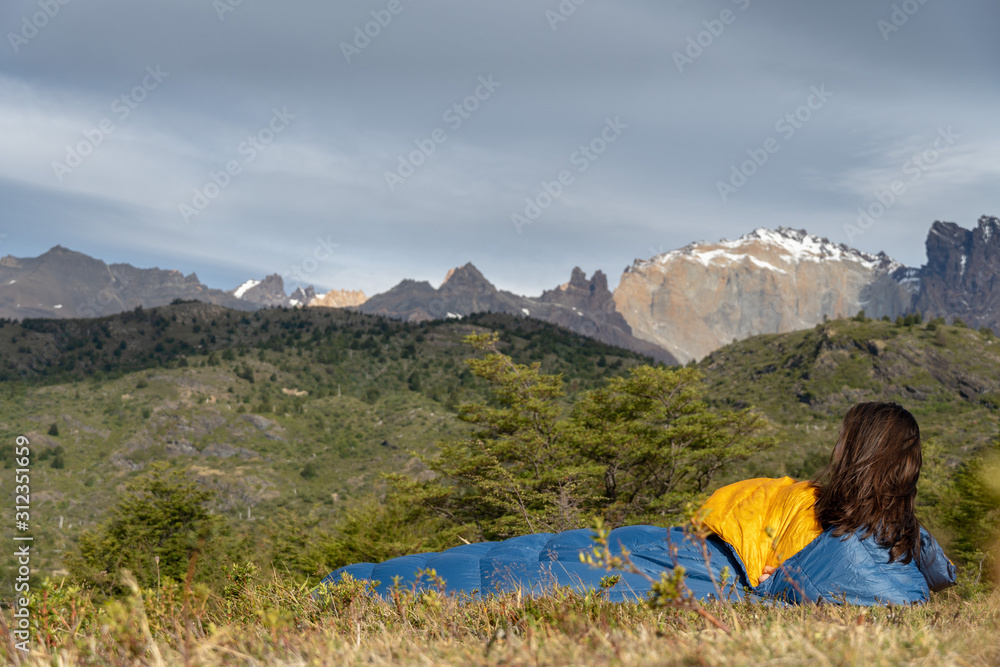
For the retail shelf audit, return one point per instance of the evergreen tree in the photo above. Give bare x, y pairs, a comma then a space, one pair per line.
636, 450
162, 515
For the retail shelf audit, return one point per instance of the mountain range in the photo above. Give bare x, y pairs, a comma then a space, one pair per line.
675, 307
584, 306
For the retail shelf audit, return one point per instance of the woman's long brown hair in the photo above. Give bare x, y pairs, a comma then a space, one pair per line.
871, 480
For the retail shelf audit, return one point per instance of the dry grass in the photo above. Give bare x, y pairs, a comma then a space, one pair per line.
269, 622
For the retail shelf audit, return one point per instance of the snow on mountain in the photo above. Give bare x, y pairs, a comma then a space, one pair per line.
789, 246
242, 289
695, 299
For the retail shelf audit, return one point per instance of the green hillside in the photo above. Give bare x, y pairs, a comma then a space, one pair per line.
297, 410
948, 376
291, 413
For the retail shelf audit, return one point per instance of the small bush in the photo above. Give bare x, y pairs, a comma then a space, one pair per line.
152, 531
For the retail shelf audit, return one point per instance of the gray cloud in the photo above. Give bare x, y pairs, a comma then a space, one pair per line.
323, 177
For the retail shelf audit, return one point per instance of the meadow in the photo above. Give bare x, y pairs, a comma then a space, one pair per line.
268, 620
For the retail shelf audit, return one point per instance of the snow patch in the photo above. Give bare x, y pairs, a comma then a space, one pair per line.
525, 311
453, 316
722, 256
242, 289
57, 307
12, 282
989, 225
962, 268
792, 246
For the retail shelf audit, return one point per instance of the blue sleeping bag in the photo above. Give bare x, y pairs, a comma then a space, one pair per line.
830, 569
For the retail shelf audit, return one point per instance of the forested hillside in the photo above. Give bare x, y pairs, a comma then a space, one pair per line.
289, 417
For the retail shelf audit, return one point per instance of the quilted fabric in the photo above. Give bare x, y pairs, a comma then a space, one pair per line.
765, 520
536, 563
756, 523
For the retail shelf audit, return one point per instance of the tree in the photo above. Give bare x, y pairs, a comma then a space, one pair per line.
635, 450
369, 529
971, 510
657, 443
54, 429
163, 515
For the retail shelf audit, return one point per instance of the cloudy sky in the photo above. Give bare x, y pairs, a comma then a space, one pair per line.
353, 144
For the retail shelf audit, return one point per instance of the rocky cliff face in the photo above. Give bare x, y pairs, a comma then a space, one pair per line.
706, 295
339, 299
588, 307
581, 305
302, 297
265, 293
962, 274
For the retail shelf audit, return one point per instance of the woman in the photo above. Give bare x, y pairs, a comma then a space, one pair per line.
853, 537
871, 483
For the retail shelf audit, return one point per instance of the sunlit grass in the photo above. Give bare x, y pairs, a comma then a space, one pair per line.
266, 620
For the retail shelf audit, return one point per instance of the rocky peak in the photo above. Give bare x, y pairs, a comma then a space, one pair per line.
467, 277
340, 298
948, 248
267, 292
302, 297
578, 280
988, 229
962, 275
695, 299
591, 295
581, 305
771, 249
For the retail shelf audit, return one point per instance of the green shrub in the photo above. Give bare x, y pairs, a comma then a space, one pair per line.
152, 531
638, 449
